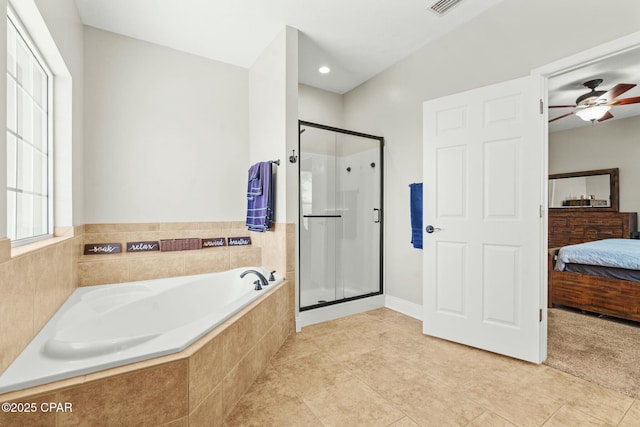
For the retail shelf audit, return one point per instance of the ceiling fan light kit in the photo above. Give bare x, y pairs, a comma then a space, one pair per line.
595, 105
591, 114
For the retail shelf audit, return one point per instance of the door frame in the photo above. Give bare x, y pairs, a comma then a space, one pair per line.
561, 66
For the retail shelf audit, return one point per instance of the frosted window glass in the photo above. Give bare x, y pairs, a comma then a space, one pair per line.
38, 123
39, 85
11, 49
11, 215
11, 104
25, 115
39, 215
24, 69
37, 172
12, 160
25, 216
28, 171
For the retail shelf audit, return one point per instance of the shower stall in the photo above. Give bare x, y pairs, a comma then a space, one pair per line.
340, 238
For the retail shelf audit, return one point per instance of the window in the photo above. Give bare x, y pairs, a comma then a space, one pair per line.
29, 148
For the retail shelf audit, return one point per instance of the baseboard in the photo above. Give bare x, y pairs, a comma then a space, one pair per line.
409, 308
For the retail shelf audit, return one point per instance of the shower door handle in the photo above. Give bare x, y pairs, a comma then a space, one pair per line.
377, 215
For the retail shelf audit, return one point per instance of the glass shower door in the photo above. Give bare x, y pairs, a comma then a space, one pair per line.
320, 226
340, 216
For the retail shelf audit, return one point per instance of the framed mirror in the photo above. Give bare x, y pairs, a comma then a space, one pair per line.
596, 189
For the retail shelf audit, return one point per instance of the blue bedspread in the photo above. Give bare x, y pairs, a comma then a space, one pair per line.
620, 253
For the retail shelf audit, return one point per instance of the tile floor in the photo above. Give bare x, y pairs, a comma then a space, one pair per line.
377, 369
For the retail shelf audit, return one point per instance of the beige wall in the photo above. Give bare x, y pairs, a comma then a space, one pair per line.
166, 134
320, 106
611, 144
273, 105
506, 42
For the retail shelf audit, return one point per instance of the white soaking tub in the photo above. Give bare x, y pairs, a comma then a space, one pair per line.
105, 326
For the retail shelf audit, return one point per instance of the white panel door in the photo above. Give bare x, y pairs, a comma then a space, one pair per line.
483, 186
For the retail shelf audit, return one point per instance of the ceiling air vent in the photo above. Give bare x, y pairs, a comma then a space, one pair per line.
442, 6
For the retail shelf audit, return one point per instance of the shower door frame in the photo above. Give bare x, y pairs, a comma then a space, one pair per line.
381, 217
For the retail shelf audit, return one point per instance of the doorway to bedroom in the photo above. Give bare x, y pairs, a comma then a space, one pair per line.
599, 348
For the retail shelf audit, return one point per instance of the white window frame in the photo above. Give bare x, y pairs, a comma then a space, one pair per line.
12, 18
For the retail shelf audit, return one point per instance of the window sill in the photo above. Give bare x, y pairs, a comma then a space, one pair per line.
60, 234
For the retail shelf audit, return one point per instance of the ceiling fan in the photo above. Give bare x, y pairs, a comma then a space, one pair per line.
595, 105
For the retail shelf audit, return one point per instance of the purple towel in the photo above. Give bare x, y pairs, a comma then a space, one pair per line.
259, 197
254, 187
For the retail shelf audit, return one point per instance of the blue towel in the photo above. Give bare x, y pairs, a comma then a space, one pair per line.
259, 197
416, 214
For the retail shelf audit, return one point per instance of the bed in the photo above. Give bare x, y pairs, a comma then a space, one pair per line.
610, 284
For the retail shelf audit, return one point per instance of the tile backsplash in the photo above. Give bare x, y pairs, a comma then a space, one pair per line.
268, 249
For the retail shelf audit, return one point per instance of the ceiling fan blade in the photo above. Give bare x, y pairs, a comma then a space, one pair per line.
606, 116
560, 117
562, 106
615, 91
625, 101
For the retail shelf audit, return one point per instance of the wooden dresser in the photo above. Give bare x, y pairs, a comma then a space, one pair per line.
568, 227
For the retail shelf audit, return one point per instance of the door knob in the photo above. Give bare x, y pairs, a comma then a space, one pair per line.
430, 229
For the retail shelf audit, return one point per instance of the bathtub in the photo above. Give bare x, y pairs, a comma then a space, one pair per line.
105, 326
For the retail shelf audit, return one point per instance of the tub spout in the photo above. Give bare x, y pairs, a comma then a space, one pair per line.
263, 280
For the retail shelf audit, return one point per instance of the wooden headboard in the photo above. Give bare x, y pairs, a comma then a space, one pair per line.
568, 227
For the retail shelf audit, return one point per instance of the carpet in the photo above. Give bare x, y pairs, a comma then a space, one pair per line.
602, 350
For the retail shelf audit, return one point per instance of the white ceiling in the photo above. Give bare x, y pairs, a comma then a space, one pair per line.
564, 89
356, 38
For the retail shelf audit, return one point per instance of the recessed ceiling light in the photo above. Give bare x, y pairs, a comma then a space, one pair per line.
324, 69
